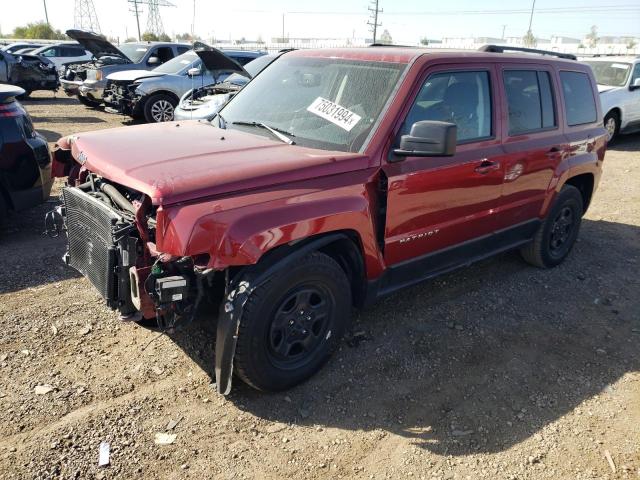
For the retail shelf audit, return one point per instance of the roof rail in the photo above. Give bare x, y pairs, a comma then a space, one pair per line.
391, 45
503, 48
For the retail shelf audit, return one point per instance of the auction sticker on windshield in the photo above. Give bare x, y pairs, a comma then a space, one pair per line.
334, 113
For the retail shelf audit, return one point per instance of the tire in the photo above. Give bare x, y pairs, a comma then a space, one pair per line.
159, 108
612, 126
292, 323
87, 102
559, 230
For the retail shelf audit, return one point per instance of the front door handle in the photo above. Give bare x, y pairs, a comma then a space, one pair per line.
487, 166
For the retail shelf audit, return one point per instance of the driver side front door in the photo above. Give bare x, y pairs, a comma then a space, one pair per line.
440, 209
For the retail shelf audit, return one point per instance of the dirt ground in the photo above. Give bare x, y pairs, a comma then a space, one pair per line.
497, 371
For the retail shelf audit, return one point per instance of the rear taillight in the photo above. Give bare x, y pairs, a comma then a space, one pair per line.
12, 109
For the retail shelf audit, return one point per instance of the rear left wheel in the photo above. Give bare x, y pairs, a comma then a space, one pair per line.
557, 234
292, 323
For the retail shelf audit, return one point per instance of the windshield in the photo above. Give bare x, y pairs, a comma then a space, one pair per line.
181, 62
134, 51
326, 103
613, 74
253, 68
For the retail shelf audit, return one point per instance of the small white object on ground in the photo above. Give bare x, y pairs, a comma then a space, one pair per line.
103, 457
164, 438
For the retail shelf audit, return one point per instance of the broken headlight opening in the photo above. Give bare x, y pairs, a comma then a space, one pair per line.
111, 240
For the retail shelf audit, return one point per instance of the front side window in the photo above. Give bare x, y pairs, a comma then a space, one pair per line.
578, 98
326, 103
462, 98
50, 52
529, 101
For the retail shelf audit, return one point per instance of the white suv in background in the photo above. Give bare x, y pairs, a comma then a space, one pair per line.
63, 53
619, 86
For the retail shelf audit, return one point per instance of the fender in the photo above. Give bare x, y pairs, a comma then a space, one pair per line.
239, 235
583, 157
237, 292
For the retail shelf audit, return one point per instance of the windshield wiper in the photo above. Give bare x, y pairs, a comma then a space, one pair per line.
277, 132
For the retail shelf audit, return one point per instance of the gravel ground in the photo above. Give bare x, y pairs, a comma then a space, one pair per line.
497, 371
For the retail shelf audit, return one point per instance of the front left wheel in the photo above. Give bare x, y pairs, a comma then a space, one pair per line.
292, 323
612, 125
159, 108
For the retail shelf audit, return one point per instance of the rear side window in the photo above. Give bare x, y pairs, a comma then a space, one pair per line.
578, 98
529, 100
182, 50
460, 97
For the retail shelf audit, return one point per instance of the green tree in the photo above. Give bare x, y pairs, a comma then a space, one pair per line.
164, 37
529, 40
592, 36
385, 38
149, 37
424, 41
631, 44
38, 30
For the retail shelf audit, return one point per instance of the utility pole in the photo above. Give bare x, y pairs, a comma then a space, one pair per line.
374, 16
193, 23
46, 15
533, 5
136, 11
282, 27
503, 29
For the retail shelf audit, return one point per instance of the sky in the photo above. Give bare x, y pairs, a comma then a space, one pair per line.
406, 20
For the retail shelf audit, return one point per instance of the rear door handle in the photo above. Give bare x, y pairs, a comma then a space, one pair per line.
487, 166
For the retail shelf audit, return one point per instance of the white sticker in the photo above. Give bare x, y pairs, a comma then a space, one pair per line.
620, 65
334, 113
141, 49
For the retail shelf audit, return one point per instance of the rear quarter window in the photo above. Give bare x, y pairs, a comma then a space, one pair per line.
579, 102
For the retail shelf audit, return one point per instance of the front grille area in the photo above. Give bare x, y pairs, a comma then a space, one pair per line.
92, 248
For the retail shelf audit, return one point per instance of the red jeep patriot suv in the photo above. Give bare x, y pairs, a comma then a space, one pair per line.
333, 178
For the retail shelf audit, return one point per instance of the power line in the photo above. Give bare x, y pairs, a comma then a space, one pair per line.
84, 16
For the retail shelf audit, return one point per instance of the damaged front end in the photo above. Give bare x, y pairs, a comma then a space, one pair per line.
111, 235
120, 96
29, 72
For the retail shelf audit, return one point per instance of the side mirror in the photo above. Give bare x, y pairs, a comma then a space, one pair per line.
428, 138
635, 84
153, 61
194, 72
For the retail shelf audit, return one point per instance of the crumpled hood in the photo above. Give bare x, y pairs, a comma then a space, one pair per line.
179, 161
133, 75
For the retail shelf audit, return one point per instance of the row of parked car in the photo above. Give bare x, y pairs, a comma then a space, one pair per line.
158, 81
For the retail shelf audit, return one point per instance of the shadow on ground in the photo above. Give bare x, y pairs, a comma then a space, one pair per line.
38, 119
31, 258
478, 360
626, 143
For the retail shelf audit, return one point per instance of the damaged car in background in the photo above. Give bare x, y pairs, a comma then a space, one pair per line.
86, 80
28, 72
202, 103
153, 95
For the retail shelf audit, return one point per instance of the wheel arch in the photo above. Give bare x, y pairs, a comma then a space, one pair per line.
149, 95
584, 182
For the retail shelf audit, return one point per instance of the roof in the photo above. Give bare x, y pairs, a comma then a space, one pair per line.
398, 54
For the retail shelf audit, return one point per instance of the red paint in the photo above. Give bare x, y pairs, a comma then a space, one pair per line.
234, 195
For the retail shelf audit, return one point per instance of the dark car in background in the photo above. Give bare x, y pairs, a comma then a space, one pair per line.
86, 80
28, 72
25, 161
